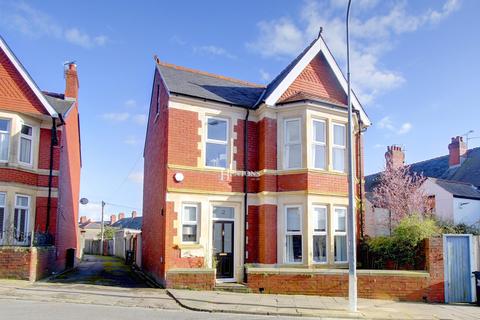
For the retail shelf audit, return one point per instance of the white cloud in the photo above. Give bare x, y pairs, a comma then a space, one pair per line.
265, 76
35, 23
371, 37
116, 117
387, 123
130, 103
136, 177
140, 119
213, 51
131, 140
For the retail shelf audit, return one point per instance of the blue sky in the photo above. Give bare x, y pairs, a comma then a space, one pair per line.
413, 65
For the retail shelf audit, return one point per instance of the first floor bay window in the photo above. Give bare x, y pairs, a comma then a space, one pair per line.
22, 208
318, 144
340, 234
293, 234
216, 143
320, 234
4, 139
25, 154
293, 144
339, 147
190, 223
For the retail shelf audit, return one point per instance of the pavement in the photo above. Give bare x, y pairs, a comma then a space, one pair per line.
315, 306
106, 283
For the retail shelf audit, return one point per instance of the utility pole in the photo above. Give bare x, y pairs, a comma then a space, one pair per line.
351, 228
101, 241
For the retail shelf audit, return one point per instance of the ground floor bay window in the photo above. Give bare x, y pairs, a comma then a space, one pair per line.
320, 234
293, 234
20, 218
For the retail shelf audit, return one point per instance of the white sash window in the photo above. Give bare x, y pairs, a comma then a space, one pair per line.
340, 234
320, 234
26, 145
4, 139
293, 144
20, 218
293, 234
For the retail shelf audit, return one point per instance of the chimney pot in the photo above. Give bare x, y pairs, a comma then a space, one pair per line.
121, 215
113, 219
134, 214
83, 219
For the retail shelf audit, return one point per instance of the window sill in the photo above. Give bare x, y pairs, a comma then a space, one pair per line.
187, 246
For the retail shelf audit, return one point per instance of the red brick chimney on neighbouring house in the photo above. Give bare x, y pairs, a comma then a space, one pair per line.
113, 219
121, 216
71, 81
134, 214
83, 219
395, 157
457, 150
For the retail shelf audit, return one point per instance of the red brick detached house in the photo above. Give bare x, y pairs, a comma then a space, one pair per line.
39, 172
211, 208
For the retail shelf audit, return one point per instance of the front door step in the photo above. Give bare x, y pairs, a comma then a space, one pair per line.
232, 287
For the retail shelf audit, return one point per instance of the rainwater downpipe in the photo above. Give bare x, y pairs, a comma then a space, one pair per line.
245, 190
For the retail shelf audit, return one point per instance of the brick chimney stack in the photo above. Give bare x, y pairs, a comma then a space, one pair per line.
71, 81
395, 157
113, 219
83, 219
121, 216
457, 151
134, 214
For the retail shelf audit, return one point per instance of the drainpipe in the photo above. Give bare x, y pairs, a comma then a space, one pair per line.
245, 189
53, 143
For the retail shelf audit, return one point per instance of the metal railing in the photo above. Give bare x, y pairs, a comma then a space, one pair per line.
12, 237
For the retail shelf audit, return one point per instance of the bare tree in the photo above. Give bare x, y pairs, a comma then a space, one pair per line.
399, 191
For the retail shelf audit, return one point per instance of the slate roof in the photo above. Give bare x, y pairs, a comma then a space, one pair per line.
468, 172
58, 102
459, 189
128, 223
93, 224
212, 87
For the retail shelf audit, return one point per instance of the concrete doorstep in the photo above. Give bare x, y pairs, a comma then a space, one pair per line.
315, 306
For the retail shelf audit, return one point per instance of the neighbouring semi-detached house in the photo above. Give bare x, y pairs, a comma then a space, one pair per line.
452, 184
209, 205
39, 172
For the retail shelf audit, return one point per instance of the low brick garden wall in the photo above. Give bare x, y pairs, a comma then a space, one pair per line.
380, 284
26, 263
195, 279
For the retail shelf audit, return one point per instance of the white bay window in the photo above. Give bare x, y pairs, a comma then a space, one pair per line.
292, 144
320, 234
293, 234
339, 147
340, 234
4, 139
26, 145
318, 144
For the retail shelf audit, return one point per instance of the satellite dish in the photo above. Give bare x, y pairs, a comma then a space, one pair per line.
84, 201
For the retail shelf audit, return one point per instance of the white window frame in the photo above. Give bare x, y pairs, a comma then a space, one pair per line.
319, 143
321, 233
8, 138
293, 233
219, 142
27, 216
21, 135
287, 144
191, 222
337, 146
339, 233
5, 211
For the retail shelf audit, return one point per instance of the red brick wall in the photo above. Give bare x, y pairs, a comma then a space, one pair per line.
267, 234
41, 215
25, 263
183, 137
379, 285
67, 234
239, 143
317, 79
194, 280
44, 150
154, 184
267, 144
253, 234
24, 177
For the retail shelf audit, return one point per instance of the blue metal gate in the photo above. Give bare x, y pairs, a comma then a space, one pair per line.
458, 273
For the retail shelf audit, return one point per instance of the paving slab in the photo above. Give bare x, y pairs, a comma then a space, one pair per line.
315, 306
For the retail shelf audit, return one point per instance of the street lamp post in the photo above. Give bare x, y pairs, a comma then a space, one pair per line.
351, 228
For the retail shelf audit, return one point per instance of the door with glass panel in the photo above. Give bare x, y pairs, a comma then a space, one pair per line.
223, 241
